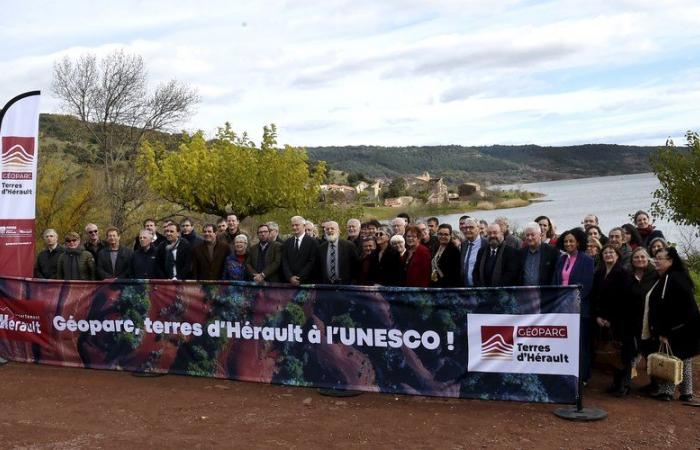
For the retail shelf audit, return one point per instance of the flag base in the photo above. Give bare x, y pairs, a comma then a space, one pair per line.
580, 415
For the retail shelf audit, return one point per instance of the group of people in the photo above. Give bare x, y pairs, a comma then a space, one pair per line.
635, 288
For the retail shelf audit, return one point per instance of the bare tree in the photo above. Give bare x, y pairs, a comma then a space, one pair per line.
117, 110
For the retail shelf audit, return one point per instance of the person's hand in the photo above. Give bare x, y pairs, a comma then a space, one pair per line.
295, 280
259, 278
602, 322
663, 340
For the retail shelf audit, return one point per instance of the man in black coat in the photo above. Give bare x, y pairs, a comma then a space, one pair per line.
144, 263
158, 239
113, 261
498, 264
299, 255
209, 257
537, 259
47, 260
175, 255
338, 259
93, 243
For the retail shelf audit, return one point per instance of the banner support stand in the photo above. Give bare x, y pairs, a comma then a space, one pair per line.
578, 413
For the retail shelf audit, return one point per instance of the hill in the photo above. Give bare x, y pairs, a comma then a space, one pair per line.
492, 164
487, 164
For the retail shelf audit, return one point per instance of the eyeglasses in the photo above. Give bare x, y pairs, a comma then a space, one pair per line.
92, 231
379, 234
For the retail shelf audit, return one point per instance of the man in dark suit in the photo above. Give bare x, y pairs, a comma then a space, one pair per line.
208, 258
264, 258
113, 261
473, 242
175, 255
537, 259
158, 239
299, 255
498, 264
338, 259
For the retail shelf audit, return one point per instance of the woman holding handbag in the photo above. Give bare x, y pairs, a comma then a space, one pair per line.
612, 307
675, 319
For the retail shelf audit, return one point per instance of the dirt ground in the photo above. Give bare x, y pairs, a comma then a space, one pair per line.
59, 408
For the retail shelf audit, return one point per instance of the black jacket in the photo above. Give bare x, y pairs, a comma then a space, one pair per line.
549, 256
611, 299
506, 268
674, 314
144, 264
302, 262
389, 268
47, 263
449, 266
348, 261
122, 266
181, 261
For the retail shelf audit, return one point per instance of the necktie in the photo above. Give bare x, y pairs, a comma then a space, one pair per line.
467, 275
493, 252
261, 258
331, 266
296, 243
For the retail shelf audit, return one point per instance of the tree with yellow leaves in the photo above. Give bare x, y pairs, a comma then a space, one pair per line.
231, 175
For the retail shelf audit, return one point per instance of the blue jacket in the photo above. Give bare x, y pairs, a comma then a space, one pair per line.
581, 273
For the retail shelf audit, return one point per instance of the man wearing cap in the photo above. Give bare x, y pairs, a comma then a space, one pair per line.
75, 263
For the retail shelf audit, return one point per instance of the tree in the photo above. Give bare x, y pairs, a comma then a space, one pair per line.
64, 195
396, 188
117, 111
231, 175
678, 170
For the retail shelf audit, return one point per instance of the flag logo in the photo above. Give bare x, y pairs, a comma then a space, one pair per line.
17, 158
497, 342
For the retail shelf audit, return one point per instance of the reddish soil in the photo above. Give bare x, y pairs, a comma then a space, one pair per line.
52, 407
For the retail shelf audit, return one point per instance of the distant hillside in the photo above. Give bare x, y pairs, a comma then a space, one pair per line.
494, 164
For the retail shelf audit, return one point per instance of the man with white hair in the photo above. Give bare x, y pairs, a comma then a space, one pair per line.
338, 258
399, 226
508, 237
473, 242
47, 261
353, 230
299, 254
537, 259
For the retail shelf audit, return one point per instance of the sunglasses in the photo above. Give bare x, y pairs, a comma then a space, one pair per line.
380, 233
92, 231
71, 240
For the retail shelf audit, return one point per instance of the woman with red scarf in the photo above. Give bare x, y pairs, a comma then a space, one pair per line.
646, 230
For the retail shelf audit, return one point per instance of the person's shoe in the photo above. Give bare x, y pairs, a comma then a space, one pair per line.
622, 391
686, 398
664, 397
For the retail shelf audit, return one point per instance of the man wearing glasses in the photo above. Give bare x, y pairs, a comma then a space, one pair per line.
75, 263
93, 244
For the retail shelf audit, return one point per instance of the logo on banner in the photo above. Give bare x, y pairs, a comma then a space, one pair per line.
17, 158
21, 322
524, 343
497, 342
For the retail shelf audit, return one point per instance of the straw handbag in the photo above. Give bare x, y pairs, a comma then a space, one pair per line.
664, 366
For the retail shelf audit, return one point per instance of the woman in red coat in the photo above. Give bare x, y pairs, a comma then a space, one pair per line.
416, 259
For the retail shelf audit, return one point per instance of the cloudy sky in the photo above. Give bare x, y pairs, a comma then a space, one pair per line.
392, 72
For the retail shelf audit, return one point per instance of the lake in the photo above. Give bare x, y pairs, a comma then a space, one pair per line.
566, 202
